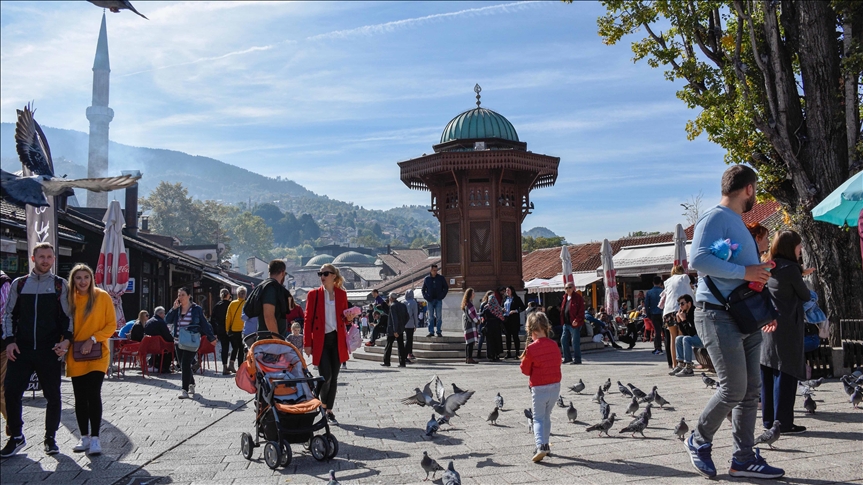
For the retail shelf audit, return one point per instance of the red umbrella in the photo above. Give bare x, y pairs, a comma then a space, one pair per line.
112, 272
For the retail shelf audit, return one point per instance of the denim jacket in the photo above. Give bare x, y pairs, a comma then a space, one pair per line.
199, 323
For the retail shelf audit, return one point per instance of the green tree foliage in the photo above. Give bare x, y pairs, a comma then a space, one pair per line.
529, 243
269, 213
174, 213
251, 236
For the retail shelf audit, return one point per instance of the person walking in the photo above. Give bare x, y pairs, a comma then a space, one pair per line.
687, 340
274, 301
92, 311
411, 325
736, 356
469, 323
187, 315
5, 285
434, 291
396, 331
572, 319
37, 329
512, 308
654, 313
676, 286
541, 361
324, 335
234, 327
218, 316
492, 314
782, 361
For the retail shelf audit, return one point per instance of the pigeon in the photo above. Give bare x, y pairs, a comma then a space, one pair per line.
633, 406
813, 383
430, 466
450, 476
809, 404
681, 429
708, 382
455, 389
452, 403
529, 415
333, 480
571, 413
804, 390
856, 397
636, 391
603, 426
849, 388
647, 411
443, 420
578, 387
604, 409
492, 418
650, 396
769, 436
432, 426
623, 390
498, 401
659, 399
599, 394
420, 398
116, 5
607, 385
635, 427
644, 416
560, 403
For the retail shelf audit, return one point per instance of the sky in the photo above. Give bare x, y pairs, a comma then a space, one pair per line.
332, 95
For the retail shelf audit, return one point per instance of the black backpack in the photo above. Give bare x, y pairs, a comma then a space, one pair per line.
254, 307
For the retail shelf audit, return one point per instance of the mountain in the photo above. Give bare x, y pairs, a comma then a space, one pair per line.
539, 232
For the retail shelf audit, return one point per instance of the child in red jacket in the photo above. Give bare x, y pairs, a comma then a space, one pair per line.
541, 361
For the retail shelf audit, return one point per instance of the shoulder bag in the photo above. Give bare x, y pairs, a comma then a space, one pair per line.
188, 340
750, 309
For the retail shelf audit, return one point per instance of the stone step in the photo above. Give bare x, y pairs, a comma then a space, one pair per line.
440, 352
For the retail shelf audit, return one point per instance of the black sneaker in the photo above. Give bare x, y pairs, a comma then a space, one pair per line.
51, 447
440, 335
13, 446
793, 430
332, 419
430, 335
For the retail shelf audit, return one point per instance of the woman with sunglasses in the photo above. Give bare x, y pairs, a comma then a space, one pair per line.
324, 335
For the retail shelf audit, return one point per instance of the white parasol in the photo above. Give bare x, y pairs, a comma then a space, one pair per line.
680, 247
112, 271
566, 262
609, 279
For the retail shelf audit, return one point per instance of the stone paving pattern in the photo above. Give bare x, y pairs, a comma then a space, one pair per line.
149, 436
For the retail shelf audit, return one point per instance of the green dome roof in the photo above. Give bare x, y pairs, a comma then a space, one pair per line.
353, 257
478, 123
320, 259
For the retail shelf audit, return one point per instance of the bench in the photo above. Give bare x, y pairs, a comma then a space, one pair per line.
851, 338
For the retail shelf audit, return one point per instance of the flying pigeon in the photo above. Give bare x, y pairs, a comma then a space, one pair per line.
607, 385
529, 415
498, 401
708, 382
856, 397
333, 480
623, 390
650, 396
769, 436
633, 406
603, 426
659, 399
560, 403
681, 429
443, 420
116, 5
604, 409
571, 413
452, 403
450, 476
435, 389
432, 426
812, 383
456, 389
429, 465
578, 387
599, 394
636, 391
809, 404
492, 417
635, 427
420, 398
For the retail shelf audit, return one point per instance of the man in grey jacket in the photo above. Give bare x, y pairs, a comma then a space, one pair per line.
411, 326
398, 318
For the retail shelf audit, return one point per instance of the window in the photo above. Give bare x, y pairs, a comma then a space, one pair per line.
453, 243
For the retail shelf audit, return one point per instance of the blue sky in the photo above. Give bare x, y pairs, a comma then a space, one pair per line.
332, 95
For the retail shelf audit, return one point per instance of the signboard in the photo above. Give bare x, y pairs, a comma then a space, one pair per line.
130, 286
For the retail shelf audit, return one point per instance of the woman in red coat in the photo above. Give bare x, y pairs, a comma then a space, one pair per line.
324, 335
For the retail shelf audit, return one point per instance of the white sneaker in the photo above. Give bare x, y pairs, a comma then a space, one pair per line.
191, 389
95, 446
183, 395
82, 445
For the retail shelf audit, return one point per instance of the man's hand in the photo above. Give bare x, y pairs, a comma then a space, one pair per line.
308, 351
62, 347
11, 351
770, 327
757, 272
396, 335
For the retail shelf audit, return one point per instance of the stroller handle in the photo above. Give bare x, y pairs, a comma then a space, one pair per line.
295, 381
261, 335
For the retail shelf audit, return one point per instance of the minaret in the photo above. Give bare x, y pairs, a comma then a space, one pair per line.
99, 115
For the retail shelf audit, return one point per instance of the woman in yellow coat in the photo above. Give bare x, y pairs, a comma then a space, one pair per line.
94, 323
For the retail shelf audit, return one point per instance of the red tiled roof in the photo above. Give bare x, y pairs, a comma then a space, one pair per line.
403, 261
408, 280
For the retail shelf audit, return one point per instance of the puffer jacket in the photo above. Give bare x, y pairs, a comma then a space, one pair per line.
37, 318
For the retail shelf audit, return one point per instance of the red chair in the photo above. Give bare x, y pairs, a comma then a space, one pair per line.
206, 348
128, 352
150, 345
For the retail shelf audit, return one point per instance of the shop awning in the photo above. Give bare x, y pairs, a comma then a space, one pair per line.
582, 280
233, 285
647, 259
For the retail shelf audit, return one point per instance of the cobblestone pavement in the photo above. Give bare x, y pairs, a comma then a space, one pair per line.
149, 436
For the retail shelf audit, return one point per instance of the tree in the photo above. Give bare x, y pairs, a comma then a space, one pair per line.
692, 208
777, 84
251, 236
268, 212
176, 214
529, 243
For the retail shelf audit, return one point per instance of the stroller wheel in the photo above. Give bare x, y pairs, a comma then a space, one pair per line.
246, 445
320, 448
272, 455
286, 454
333, 446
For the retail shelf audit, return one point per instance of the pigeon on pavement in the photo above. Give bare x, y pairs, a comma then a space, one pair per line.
647, 410
604, 409
429, 465
809, 404
659, 399
432, 426
529, 415
856, 397
578, 387
498, 401
571, 413
633, 406
623, 390
607, 385
603, 426
635, 427
492, 418
769, 436
847, 385
450, 476
560, 403
813, 383
650, 396
116, 5
636, 391
681, 429
599, 393
333, 480
708, 382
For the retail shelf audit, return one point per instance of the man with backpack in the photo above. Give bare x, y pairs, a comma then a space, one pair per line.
37, 330
268, 302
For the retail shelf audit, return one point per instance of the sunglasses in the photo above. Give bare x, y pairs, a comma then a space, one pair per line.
324, 274
568, 288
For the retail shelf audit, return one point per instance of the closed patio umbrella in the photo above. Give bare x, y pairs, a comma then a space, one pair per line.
680, 247
566, 262
609, 279
112, 271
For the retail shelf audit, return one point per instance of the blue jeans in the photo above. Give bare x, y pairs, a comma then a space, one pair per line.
684, 345
543, 399
778, 393
434, 316
736, 358
571, 342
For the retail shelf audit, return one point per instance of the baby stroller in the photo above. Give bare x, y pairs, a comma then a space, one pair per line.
286, 403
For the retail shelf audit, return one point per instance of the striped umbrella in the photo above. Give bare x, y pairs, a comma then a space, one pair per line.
609, 278
112, 271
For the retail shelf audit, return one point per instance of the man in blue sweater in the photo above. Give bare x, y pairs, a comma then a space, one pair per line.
651, 306
735, 355
434, 291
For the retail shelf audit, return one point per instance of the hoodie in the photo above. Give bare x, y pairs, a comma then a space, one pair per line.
413, 310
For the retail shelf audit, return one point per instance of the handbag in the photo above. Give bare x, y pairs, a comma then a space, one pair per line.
188, 340
95, 351
353, 338
750, 309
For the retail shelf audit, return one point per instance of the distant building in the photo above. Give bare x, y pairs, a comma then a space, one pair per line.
100, 115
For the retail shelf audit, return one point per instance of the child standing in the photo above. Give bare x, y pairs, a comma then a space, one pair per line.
296, 336
541, 362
